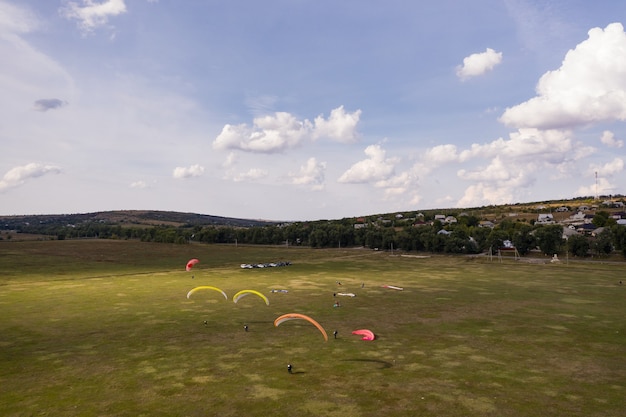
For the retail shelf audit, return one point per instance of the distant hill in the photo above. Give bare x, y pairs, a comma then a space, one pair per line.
144, 218
130, 217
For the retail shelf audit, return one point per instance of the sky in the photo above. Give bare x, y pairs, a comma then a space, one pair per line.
295, 110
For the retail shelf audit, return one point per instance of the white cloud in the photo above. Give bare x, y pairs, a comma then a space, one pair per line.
495, 171
312, 173
188, 172
270, 134
230, 161
527, 157
20, 174
482, 194
441, 154
608, 138
339, 126
281, 131
91, 14
252, 174
375, 168
590, 86
478, 64
29, 72
525, 144
609, 169
16, 20
603, 186
139, 184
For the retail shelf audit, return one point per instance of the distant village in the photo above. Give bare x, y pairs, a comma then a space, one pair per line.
586, 227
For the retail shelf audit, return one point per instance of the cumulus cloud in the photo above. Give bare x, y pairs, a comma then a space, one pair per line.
609, 169
608, 139
311, 173
603, 186
481, 194
590, 86
230, 160
269, 134
20, 174
138, 184
478, 64
339, 126
376, 167
252, 174
188, 172
515, 164
281, 131
46, 104
525, 145
91, 14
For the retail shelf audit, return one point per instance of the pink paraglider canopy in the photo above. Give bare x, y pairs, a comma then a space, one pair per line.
367, 334
190, 264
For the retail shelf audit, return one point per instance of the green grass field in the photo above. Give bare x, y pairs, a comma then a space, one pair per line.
104, 328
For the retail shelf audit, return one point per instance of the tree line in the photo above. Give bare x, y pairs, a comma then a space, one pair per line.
466, 236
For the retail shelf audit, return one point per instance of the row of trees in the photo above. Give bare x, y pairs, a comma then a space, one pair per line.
464, 237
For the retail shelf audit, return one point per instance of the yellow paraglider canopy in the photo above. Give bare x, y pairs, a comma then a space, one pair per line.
206, 287
243, 293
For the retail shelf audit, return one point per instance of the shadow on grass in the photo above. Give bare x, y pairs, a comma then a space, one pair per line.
383, 364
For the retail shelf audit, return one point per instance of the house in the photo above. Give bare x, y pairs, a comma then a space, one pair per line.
586, 228
618, 215
597, 231
569, 231
486, 223
545, 218
562, 209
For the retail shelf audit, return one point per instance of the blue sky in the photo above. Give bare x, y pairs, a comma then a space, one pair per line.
306, 110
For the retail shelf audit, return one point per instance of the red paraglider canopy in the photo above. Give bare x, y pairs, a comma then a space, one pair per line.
367, 334
190, 264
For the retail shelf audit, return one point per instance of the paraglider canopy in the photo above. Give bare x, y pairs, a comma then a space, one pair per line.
243, 293
367, 334
190, 264
206, 287
297, 316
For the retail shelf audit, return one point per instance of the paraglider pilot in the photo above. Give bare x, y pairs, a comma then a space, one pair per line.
289, 368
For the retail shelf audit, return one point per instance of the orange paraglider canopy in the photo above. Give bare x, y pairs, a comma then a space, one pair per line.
297, 316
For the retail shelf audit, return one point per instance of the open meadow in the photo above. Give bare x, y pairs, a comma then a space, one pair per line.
105, 328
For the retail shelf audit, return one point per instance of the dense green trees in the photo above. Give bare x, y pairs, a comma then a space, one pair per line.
549, 238
464, 237
578, 245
